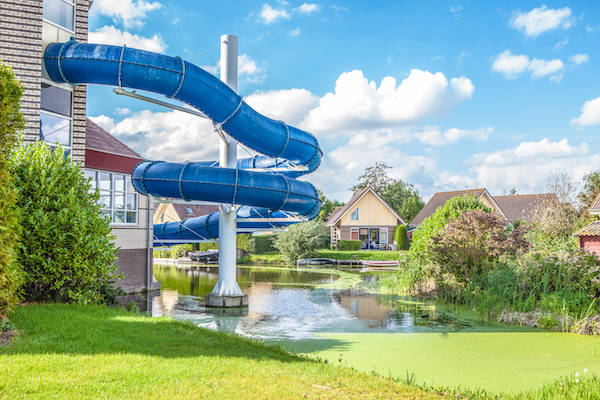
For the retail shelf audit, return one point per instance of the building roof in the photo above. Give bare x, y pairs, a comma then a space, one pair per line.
98, 139
191, 211
338, 212
520, 207
595, 207
439, 199
592, 229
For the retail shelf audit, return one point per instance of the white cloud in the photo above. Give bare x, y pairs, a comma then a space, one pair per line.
248, 69
130, 12
290, 105
269, 14
561, 44
542, 19
579, 59
307, 8
528, 166
172, 135
436, 137
295, 32
111, 35
512, 65
122, 111
357, 102
590, 114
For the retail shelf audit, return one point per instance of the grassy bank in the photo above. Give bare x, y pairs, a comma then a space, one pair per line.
75, 352
276, 258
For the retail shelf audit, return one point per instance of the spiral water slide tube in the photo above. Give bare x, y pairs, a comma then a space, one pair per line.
264, 185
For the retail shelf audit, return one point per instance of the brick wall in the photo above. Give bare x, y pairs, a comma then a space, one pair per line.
79, 91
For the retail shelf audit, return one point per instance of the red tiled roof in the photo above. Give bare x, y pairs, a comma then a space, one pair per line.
196, 210
438, 200
339, 211
520, 207
98, 139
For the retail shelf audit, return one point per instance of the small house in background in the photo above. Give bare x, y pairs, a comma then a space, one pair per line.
108, 163
513, 208
366, 217
589, 235
169, 212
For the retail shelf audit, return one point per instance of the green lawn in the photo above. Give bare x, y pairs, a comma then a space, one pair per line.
361, 254
91, 352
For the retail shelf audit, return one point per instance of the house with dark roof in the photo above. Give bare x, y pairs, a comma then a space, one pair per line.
589, 235
512, 208
366, 217
172, 212
108, 164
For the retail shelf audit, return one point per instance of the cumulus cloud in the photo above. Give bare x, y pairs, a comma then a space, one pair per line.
307, 8
590, 114
539, 20
130, 12
437, 137
295, 32
172, 135
528, 166
290, 105
579, 59
111, 35
268, 14
248, 69
357, 102
512, 65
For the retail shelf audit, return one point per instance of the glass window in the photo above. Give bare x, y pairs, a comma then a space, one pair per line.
56, 100
118, 199
354, 215
55, 129
383, 236
60, 12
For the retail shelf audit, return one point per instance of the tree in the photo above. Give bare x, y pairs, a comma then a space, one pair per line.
402, 197
420, 248
591, 189
401, 237
301, 240
11, 122
467, 244
327, 207
65, 246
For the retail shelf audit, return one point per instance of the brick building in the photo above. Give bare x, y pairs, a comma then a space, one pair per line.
56, 114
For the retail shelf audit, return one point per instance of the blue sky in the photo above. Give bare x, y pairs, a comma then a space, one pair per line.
452, 94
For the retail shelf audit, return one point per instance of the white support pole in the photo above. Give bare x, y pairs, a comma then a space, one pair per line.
227, 284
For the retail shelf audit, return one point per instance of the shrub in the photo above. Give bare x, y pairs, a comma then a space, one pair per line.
553, 224
11, 122
180, 250
349, 245
261, 244
432, 226
469, 243
301, 241
65, 246
401, 237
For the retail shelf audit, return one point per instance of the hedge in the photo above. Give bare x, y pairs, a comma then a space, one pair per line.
349, 245
401, 237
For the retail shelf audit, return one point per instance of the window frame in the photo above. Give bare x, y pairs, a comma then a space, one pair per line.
53, 114
352, 215
113, 209
71, 3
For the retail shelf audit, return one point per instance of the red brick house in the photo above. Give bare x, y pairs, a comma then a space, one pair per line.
589, 235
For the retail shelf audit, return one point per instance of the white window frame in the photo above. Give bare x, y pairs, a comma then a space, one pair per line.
381, 232
71, 3
42, 111
113, 209
352, 215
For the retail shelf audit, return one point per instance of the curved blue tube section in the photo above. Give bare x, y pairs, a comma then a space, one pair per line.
264, 183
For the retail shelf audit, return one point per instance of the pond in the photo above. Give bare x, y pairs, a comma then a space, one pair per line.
390, 335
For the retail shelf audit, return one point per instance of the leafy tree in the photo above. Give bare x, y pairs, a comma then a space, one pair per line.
65, 245
301, 240
327, 207
11, 122
591, 189
553, 224
401, 237
420, 248
402, 197
467, 244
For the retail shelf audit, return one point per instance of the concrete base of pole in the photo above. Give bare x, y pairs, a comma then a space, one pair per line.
214, 300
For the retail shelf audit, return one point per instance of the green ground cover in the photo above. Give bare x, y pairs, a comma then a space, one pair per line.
276, 258
91, 352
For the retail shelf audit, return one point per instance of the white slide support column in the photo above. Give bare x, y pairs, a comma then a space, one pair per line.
227, 284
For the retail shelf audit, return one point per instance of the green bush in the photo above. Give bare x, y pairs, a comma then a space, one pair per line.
349, 245
65, 246
301, 241
420, 248
261, 244
180, 250
401, 237
11, 122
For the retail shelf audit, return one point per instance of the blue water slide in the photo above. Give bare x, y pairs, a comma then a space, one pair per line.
264, 185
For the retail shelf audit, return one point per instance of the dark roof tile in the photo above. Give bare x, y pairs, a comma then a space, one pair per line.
96, 138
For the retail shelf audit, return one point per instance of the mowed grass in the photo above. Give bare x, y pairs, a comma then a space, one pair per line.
361, 254
96, 352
